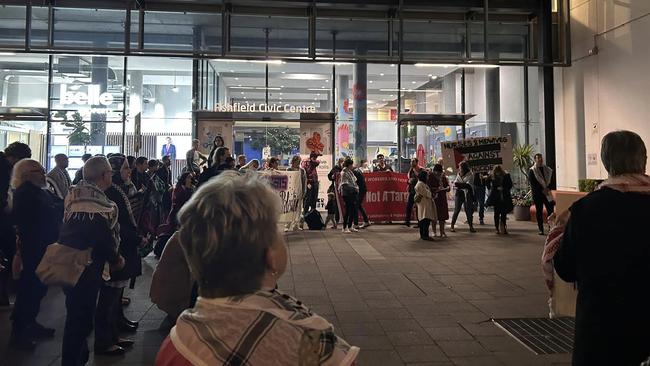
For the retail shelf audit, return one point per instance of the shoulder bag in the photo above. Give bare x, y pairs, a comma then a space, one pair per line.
62, 265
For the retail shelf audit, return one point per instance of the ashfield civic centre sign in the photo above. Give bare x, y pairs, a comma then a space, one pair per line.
264, 107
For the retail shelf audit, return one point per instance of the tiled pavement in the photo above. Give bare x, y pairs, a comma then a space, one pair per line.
402, 300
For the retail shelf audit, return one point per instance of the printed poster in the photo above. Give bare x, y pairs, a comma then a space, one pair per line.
482, 153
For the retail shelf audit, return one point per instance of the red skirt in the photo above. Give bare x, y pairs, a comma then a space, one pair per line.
442, 207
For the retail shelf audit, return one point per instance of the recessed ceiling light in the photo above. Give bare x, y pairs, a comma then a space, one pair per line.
392, 65
318, 95
392, 95
238, 84
238, 78
242, 93
232, 70
327, 80
370, 81
315, 98
413, 82
381, 74
281, 86
430, 75
434, 77
280, 93
284, 72
244, 97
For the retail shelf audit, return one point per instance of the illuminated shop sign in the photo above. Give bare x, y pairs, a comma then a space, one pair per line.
92, 98
263, 107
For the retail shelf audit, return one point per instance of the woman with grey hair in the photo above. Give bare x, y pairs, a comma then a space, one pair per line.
240, 316
604, 248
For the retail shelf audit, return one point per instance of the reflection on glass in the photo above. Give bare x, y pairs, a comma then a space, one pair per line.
89, 28
283, 139
286, 35
12, 25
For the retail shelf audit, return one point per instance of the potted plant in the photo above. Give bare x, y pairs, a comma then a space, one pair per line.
588, 185
522, 202
79, 136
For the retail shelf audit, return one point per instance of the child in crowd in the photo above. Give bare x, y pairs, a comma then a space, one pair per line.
331, 209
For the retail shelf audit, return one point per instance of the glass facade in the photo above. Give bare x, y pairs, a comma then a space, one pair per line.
96, 74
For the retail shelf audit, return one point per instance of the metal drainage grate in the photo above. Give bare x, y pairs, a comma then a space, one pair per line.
541, 335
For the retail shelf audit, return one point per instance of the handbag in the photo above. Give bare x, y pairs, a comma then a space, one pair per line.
417, 198
62, 265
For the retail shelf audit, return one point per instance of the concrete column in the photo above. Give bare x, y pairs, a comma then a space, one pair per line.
136, 99
343, 115
360, 95
99, 76
492, 102
449, 100
421, 137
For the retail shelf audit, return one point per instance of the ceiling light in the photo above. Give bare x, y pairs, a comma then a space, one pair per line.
284, 72
305, 77
333, 63
175, 89
270, 62
238, 78
413, 82
242, 92
434, 77
370, 81
280, 93
430, 75
327, 80
239, 85
281, 86
392, 65
381, 74
392, 96
232, 70
315, 98
7, 54
457, 65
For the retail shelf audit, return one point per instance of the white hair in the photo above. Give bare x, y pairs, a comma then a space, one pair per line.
225, 230
95, 168
20, 173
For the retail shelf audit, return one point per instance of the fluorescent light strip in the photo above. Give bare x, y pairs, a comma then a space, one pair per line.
486, 66
333, 63
413, 90
272, 62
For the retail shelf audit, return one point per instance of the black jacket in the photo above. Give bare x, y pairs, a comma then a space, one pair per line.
129, 239
78, 176
606, 250
38, 215
140, 180
361, 182
535, 186
500, 199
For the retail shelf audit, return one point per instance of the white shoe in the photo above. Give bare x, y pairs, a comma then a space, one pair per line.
347, 231
361, 226
354, 230
286, 229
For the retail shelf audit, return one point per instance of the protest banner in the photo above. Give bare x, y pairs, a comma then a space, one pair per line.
288, 186
482, 153
386, 197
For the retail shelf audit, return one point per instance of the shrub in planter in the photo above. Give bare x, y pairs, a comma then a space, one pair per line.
588, 185
522, 202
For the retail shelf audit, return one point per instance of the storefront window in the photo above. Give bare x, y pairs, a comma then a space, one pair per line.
86, 105
427, 39
301, 85
182, 31
352, 37
240, 82
286, 35
160, 91
89, 28
12, 25
23, 85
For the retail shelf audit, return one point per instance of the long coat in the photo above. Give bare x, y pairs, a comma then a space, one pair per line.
426, 208
606, 250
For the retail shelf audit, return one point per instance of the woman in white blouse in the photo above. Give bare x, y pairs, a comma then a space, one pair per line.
464, 184
426, 208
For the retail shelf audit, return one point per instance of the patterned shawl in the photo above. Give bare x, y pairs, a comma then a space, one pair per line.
545, 179
86, 199
634, 183
266, 328
59, 181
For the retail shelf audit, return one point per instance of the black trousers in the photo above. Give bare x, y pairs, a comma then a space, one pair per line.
424, 228
540, 203
500, 216
469, 209
108, 309
350, 210
480, 199
409, 208
29, 293
311, 197
80, 305
362, 197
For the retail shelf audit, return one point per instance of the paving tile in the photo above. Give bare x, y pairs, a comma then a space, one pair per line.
462, 348
455, 333
366, 329
424, 353
370, 342
477, 361
409, 337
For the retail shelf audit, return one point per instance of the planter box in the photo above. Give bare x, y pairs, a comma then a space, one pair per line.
522, 213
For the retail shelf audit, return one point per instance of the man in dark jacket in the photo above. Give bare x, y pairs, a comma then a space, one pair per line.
606, 251
38, 215
139, 173
539, 177
78, 175
90, 221
363, 189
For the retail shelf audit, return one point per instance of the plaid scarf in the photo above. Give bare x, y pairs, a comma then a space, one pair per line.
264, 328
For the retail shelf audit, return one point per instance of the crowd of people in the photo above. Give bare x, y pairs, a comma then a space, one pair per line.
217, 277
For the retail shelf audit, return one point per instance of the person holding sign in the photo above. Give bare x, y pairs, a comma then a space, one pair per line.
539, 178
464, 196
